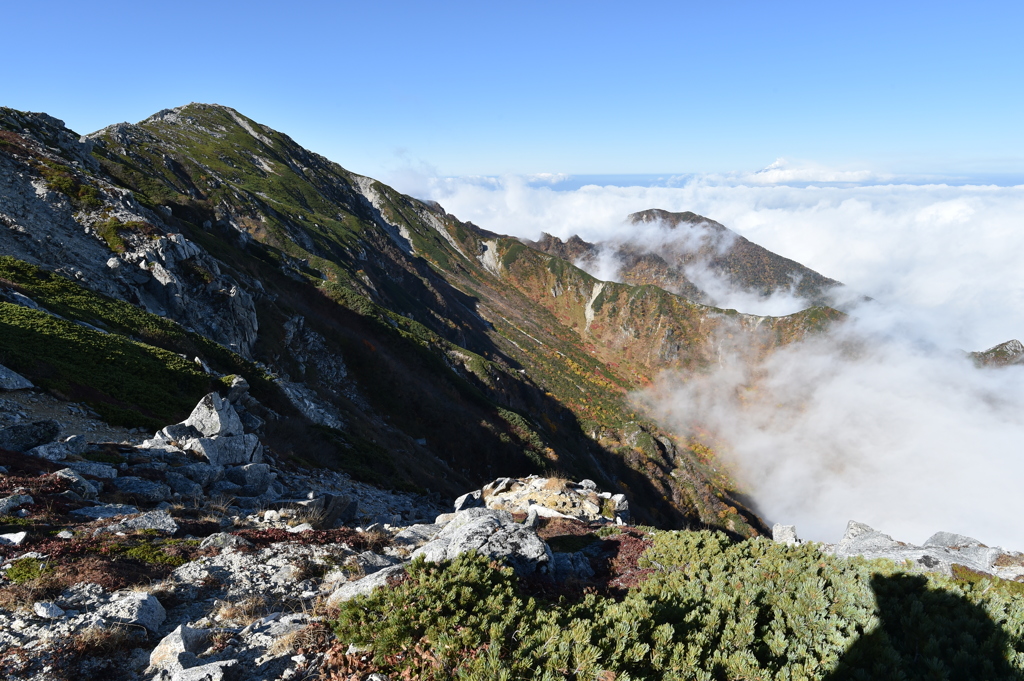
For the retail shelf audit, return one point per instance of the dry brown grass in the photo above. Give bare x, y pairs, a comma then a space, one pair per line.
315, 636
556, 484
244, 612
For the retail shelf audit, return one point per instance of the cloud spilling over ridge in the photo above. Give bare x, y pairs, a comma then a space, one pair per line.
884, 420
864, 425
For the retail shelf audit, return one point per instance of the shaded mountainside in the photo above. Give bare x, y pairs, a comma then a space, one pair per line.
380, 334
689, 246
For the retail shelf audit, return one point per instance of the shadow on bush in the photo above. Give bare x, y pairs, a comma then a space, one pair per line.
927, 634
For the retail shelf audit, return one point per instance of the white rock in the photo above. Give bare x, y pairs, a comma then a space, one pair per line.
14, 538
48, 610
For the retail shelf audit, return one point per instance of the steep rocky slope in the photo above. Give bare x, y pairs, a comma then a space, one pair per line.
380, 334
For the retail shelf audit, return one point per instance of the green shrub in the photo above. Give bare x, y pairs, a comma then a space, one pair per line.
25, 570
711, 609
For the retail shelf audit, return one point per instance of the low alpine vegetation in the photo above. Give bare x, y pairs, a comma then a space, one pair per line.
709, 608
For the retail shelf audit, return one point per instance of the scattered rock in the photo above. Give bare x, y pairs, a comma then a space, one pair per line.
553, 498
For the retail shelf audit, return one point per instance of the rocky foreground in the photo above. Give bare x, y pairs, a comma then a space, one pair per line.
196, 554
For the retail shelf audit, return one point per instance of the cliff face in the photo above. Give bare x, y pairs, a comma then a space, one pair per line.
381, 334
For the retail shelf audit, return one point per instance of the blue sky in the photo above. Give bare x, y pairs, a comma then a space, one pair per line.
463, 88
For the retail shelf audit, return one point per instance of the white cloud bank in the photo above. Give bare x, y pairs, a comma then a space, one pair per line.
903, 433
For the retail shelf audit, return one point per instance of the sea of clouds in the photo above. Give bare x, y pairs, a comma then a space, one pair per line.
886, 420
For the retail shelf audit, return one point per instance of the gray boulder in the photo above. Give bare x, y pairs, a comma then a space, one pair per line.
253, 478
178, 432
77, 483
154, 520
183, 486
415, 536
215, 417
12, 538
146, 490
364, 586
10, 380
23, 437
337, 509
184, 639
492, 533
228, 450
134, 607
202, 473
8, 504
785, 534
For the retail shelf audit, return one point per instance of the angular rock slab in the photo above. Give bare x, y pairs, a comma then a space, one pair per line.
184, 639
10, 380
77, 483
58, 451
215, 417
225, 450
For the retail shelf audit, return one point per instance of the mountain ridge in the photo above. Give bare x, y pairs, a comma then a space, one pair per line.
447, 353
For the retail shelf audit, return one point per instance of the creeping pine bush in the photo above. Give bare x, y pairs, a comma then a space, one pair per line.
713, 609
